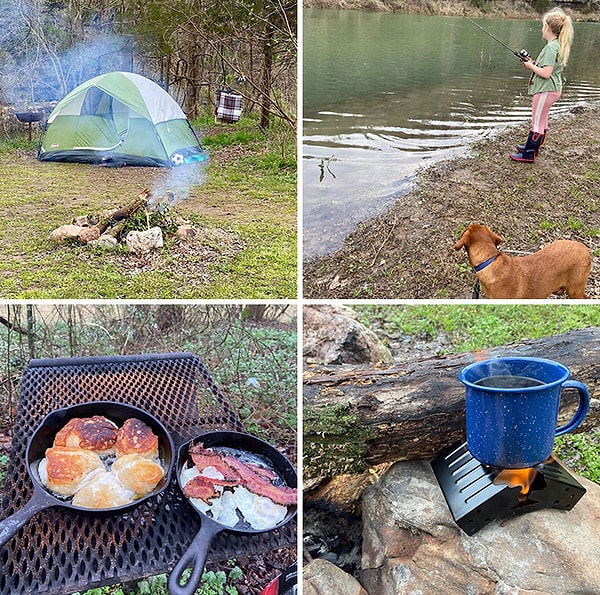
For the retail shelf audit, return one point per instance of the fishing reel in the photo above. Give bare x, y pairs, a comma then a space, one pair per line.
524, 56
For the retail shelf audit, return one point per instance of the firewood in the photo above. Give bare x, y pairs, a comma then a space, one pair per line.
125, 212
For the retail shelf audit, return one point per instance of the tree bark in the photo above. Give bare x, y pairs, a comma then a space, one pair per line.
414, 410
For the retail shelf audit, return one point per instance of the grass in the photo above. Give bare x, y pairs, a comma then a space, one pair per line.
581, 452
248, 200
212, 583
474, 327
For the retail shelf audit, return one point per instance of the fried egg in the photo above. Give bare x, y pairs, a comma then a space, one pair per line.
258, 511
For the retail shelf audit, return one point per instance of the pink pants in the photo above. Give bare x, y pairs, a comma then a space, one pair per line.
542, 102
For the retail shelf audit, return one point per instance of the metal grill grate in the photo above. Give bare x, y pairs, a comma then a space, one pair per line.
60, 551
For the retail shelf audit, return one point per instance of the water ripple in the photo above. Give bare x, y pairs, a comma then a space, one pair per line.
373, 119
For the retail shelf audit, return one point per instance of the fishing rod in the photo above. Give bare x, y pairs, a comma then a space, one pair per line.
523, 55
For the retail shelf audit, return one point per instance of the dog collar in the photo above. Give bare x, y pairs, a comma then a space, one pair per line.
485, 263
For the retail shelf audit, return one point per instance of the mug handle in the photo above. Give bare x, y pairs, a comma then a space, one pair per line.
584, 405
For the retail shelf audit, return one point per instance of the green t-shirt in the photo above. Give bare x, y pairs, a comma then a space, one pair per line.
548, 57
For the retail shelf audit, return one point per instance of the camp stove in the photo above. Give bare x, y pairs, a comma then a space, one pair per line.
478, 494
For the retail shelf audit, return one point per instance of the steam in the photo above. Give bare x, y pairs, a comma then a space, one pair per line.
498, 368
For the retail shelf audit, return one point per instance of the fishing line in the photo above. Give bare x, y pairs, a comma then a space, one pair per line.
523, 55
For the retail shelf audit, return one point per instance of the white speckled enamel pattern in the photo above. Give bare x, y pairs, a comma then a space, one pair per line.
515, 427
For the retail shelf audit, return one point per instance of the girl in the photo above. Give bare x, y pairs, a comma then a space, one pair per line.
545, 83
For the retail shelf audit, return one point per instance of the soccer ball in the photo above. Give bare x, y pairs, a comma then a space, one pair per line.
177, 159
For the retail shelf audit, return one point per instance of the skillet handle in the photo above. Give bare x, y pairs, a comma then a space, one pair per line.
195, 556
9, 526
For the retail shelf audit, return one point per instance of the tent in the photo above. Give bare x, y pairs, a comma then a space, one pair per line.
119, 118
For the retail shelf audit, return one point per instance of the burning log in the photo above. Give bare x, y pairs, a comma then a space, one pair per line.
125, 212
359, 416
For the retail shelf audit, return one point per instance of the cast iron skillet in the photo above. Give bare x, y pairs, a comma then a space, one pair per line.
43, 438
197, 552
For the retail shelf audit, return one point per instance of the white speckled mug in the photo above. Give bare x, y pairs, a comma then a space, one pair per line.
512, 409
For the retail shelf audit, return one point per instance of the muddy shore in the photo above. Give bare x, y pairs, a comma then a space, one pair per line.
408, 252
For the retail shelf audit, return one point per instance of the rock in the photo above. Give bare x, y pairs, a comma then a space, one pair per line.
412, 545
186, 232
82, 221
66, 232
320, 577
143, 242
333, 335
89, 234
105, 241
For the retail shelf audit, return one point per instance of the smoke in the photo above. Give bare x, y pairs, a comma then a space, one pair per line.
176, 185
39, 60
100, 54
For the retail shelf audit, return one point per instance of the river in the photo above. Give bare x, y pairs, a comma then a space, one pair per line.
384, 94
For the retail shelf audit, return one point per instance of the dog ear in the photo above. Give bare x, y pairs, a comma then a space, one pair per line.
463, 240
497, 239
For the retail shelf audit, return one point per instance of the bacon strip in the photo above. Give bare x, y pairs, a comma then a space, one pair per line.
253, 477
262, 471
202, 461
251, 481
204, 487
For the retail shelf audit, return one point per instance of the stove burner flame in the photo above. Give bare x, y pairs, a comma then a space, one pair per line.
517, 477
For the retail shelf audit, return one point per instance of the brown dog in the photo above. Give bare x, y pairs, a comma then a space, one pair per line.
563, 265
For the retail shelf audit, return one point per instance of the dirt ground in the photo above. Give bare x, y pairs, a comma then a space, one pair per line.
408, 252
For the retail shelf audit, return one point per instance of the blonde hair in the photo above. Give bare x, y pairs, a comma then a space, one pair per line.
562, 26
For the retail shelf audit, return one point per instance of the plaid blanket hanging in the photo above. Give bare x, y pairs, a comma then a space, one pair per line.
229, 106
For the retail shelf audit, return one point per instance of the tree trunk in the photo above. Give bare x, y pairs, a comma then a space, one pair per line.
358, 416
265, 110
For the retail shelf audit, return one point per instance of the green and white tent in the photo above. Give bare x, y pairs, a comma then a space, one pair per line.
119, 118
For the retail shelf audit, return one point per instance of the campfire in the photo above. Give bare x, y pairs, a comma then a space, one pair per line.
140, 234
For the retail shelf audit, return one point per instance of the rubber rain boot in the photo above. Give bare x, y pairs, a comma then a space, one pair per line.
521, 148
531, 148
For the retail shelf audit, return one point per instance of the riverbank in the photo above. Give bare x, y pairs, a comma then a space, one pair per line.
579, 11
407, 253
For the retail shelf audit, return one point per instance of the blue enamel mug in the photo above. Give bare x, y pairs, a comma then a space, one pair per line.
512, 409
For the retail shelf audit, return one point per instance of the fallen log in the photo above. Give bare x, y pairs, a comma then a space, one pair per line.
362, 416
